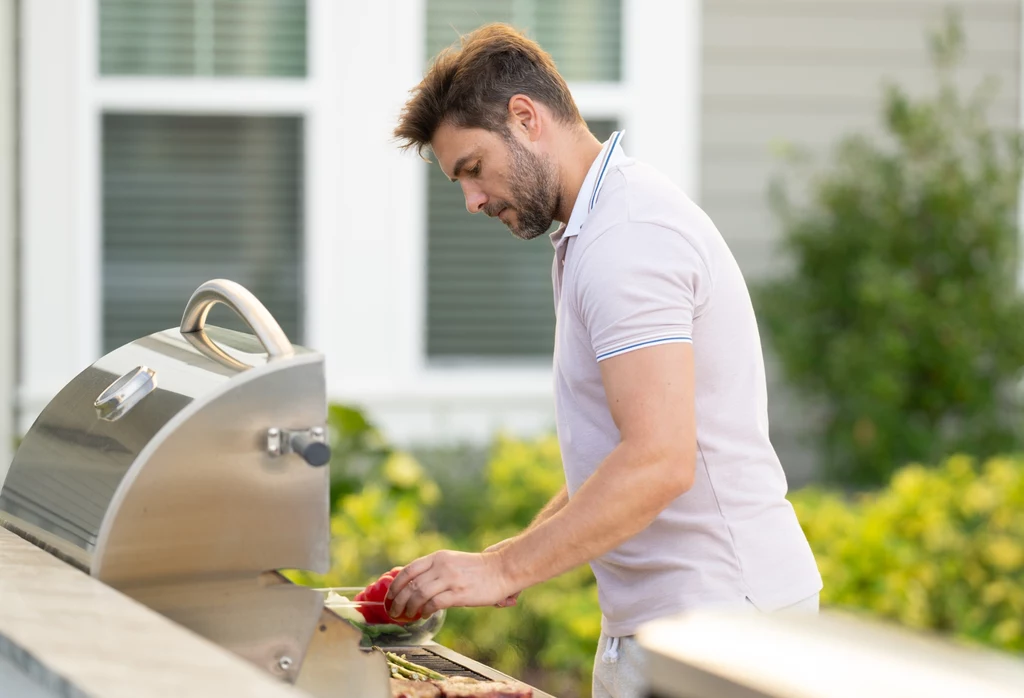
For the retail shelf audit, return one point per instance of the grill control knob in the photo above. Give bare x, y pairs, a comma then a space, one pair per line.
308, 443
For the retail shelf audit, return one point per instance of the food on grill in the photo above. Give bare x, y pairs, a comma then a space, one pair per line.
409, 680
402, 668
405, 688
458, 688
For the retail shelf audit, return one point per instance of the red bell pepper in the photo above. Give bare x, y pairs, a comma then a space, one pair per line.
376, 592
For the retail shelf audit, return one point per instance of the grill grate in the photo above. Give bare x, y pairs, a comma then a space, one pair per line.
442, 665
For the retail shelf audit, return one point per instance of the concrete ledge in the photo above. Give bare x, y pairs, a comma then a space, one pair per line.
74, 636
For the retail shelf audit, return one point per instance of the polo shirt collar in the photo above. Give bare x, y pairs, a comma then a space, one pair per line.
609, 156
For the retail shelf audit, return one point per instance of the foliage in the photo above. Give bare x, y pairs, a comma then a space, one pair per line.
939, 549
390, 511
902, 319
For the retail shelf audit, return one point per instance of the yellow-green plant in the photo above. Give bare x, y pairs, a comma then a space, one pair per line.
939, 549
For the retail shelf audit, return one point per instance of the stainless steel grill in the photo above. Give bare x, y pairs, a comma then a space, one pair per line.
185, 470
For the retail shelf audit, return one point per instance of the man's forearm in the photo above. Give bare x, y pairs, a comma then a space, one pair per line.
551, 508
618, 501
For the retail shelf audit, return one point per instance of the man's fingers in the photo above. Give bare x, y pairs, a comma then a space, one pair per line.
446, 599
411, 598
419, 593
408, 573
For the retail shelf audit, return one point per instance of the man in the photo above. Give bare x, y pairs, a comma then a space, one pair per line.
674, 493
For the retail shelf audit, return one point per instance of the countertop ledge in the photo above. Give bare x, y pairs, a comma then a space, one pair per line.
77, 637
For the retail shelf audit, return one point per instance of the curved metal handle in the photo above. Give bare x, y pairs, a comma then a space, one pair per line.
125, 393
245, 305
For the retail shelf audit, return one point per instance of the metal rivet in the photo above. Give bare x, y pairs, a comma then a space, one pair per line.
285, 663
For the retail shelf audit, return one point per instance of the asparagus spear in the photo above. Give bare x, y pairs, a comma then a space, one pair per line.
406, 664
403, 673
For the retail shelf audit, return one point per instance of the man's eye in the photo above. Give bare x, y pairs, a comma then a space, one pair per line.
476, 170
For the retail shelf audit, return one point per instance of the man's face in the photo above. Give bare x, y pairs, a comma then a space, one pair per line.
500, 176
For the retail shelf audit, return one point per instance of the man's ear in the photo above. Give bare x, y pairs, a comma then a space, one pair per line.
524, 116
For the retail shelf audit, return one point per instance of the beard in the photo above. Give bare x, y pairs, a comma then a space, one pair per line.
533, 183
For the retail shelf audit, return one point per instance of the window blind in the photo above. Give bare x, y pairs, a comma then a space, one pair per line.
584, 37
259, 38
489, 294
187, 199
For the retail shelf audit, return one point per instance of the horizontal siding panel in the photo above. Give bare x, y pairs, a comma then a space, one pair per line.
780, 82
864, 35
729, 135
878, 9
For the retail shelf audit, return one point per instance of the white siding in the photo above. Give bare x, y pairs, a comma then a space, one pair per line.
808, 72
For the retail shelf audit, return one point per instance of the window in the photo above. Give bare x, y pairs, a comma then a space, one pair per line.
259, 38
489, 294
189, 197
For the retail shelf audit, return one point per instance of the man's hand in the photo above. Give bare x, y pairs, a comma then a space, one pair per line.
448, 578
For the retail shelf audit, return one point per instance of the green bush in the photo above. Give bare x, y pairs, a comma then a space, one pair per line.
940, 549
902, 319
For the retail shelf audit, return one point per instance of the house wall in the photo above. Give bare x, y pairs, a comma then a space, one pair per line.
807, 72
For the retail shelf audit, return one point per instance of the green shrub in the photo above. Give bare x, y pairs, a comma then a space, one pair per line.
902, 319
939, 549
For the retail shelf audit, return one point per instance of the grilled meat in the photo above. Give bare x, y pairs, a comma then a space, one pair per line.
468, 688
458, 688
403, 688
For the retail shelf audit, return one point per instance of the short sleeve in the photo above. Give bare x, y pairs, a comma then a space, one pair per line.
637, 285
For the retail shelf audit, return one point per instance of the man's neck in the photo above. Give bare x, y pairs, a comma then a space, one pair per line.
576, 161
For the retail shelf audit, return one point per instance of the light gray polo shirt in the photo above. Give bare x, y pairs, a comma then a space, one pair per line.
640, 264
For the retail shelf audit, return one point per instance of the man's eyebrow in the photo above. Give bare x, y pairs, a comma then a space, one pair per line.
459, 164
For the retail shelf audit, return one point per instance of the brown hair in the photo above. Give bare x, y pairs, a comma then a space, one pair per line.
471, 86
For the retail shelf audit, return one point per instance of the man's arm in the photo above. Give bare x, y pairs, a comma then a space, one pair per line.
650, 395
550, 509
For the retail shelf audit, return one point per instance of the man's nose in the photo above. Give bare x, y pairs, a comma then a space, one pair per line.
475, 199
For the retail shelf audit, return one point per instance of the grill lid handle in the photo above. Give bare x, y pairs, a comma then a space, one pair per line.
245, 305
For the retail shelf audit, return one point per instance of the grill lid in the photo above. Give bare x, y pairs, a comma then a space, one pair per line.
182, 455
